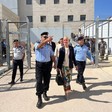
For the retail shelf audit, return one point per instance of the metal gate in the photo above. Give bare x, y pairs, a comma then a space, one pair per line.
20, 31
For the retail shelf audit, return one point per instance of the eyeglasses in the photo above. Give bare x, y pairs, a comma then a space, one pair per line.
45, 36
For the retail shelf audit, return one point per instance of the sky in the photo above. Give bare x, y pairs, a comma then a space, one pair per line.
103, 9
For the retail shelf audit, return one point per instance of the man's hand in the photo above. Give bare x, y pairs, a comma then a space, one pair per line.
54, 65
49, 39
76, 67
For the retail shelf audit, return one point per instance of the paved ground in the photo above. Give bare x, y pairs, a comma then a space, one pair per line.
21, 96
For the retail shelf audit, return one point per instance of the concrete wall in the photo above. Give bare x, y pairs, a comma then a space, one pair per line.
24, 10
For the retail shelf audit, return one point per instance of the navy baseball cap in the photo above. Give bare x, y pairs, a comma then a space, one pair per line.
80, 38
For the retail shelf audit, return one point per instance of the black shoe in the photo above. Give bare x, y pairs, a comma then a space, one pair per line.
39, 103
12, 83
46, 98
78, 82
21, 80
84, 86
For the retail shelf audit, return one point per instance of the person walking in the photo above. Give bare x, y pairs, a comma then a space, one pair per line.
4, 47
44, 54
65, 64
18, 58
53, 46
81, 51
102, 46
58, 46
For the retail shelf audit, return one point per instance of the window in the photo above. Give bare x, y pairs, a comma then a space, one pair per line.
82, 17
56, 1
43, 18
30, 18
28, 2
82, 1
70, 1
42, 1
70, 17
56, 18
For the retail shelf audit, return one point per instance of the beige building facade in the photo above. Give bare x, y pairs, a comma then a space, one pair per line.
55, 12
55, 16
25, 10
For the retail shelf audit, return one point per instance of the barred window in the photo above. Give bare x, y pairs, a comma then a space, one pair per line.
42, 18
82, 17
42, 1
56, 1
70, 17
82, 1
28, 2
70, 1
56, 18
30, 18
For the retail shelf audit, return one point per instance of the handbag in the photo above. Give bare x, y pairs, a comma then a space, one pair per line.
59, 79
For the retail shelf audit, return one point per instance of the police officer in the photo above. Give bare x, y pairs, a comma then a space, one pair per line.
18, 57
81, 51
44, 53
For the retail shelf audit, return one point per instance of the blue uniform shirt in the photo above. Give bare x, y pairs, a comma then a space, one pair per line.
43, 54
81, 52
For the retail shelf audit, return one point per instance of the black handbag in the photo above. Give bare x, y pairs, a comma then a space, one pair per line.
59, 79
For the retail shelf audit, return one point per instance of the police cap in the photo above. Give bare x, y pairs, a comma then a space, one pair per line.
80, 38
44, 33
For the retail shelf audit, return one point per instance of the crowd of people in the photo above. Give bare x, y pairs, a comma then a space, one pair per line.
62, 56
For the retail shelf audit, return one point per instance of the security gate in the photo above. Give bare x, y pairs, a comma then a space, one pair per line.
20, 31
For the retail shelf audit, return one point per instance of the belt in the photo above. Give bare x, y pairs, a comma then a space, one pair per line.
43, 62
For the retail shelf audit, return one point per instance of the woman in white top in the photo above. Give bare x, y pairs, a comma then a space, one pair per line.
65, 64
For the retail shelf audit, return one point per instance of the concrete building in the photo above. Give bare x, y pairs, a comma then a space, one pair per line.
25, 10
58, 17
61, 17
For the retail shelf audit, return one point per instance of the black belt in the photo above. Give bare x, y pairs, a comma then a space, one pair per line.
43, 62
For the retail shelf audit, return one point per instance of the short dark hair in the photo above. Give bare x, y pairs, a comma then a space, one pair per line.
15, 40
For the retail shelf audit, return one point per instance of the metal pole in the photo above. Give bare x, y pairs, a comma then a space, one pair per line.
102, 31
93, 30
0, 44
96, 44
7, 46
63, 29
28, 44
108, 40
84, 28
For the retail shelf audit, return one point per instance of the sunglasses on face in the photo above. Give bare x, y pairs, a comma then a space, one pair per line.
45, 36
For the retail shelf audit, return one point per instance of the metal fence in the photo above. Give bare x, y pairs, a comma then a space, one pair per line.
96, 29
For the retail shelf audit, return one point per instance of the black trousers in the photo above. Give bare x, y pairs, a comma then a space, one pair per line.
42, 77
17, 63
81, 67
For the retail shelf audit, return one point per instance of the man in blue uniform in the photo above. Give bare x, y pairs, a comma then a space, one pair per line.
18, 57
81, 51
44, 54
